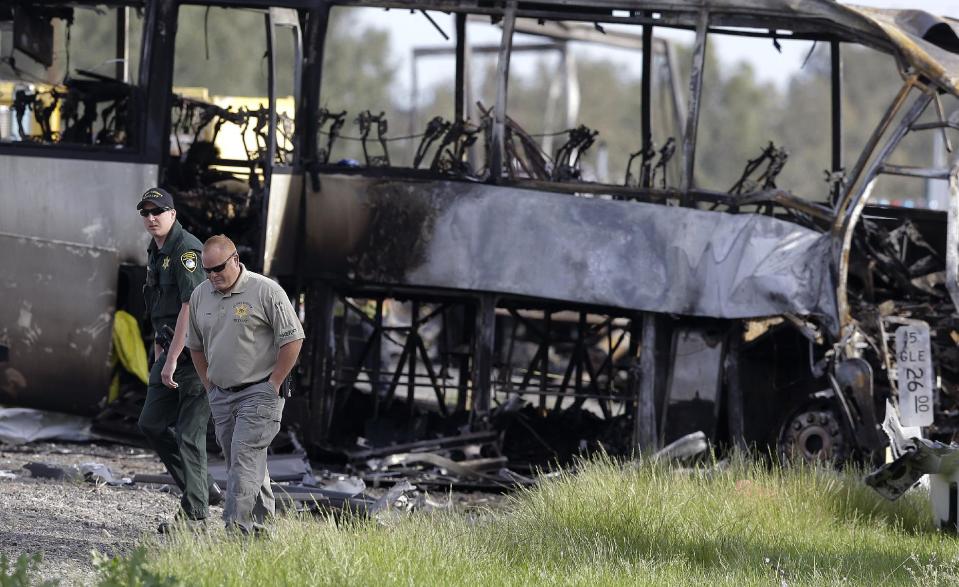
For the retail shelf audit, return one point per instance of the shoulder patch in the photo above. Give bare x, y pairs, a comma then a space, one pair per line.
188, 259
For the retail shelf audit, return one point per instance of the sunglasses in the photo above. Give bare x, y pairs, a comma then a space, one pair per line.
153, 211
220, 267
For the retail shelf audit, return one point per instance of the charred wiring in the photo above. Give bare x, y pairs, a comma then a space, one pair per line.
94, 110
774, 158
566, 164
218, 195
648, 168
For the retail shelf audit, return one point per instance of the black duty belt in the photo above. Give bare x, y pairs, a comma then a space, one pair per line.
243, 386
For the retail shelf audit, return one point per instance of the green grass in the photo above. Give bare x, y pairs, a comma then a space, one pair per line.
609, 523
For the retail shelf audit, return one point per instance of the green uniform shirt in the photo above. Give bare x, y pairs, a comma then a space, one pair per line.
173, 272
241, 332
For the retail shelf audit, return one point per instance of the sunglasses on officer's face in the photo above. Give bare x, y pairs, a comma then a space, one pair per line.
152, 211
220, 267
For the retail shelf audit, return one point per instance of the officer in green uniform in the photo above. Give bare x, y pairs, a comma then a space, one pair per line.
176, 412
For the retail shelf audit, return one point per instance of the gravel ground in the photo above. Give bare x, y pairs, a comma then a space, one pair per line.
67, 520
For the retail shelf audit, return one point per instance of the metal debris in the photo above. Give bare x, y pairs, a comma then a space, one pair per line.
684, 448
23, 425
915, 458
96, 473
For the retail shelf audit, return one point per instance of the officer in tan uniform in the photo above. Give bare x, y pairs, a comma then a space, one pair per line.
244, 338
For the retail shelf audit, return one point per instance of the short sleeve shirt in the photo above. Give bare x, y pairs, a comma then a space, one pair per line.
173, 272
241, 332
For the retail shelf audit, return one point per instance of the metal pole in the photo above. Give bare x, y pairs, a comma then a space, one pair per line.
647, 89
734, 389
836, 99
952, 237
271, 99
580, 353
633, 376
695, 97
377, 356
461, 105
836, 88
498, 154
320, 316
544, 359
156, 71
465, 372
123, 48
340, 364
319, 20
270, 142
411, 342
645, 418
297, 39
484, 338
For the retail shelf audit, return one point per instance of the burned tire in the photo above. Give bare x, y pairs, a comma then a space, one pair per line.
814, 435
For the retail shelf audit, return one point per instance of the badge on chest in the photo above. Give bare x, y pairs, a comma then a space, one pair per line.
242, 312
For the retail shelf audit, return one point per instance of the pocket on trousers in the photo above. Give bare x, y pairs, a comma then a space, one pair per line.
268, 422
274, 413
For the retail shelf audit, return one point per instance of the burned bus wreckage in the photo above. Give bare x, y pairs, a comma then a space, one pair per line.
470, 286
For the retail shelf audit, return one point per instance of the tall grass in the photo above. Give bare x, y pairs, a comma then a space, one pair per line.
609, 523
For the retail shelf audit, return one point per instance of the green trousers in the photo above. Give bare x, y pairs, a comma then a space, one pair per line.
174, 422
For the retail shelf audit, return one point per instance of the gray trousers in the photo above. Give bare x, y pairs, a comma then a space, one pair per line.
246, 422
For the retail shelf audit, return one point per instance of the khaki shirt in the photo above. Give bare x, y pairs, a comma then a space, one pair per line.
241, 332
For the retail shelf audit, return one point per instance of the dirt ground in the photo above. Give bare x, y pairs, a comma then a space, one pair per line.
67, 520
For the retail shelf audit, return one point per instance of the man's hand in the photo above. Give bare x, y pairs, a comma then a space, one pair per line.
276, 385
177, 342
284, 363
167, 373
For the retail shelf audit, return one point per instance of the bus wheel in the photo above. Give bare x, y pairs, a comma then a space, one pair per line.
814, 436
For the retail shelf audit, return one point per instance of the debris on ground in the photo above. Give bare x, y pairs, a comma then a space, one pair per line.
914, 458
66, 519
23, 425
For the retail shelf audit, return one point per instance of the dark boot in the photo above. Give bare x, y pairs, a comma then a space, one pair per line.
216, 494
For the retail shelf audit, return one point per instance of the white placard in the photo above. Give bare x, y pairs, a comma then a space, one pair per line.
914, 375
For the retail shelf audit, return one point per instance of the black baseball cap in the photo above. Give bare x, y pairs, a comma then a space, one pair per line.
159, 197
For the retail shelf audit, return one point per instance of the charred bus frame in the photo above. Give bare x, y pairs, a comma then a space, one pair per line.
330, 233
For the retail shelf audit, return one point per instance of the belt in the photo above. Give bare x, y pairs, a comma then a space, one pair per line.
243, 386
